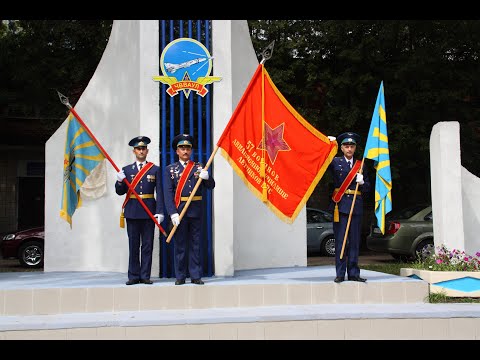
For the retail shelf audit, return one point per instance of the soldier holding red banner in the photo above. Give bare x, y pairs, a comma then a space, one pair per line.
179, 179
349, 185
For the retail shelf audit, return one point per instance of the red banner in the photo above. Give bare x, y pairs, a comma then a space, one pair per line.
295, 155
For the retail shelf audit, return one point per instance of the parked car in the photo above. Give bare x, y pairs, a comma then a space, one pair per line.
25, 245
320, 238
408, 234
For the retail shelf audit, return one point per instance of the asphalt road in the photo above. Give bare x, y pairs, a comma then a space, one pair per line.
12, 265
366, 257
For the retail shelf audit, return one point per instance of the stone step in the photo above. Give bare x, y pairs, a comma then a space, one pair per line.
326, 321
51, 293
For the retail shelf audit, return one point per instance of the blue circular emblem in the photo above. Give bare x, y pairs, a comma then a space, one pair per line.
185, 59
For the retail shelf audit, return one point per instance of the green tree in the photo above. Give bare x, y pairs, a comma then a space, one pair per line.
38, 57
330, 71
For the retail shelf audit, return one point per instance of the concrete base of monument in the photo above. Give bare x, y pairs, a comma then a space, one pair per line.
281, 303
450, 283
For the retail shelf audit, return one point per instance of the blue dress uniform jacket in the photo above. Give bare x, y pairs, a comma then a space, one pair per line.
140, 227
349, 263
151, 183
339, 170
189, 232
171, 177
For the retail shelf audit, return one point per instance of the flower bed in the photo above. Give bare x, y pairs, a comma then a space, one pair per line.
452, 273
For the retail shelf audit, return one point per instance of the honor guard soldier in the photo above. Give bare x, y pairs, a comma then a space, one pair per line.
179, 179
345, 173
145, 178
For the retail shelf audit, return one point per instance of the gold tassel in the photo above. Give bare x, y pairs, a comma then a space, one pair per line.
262, 167
122, 220
264, 192
336, 216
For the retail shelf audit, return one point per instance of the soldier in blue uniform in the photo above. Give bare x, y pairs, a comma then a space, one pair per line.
179, 179
346, 175
145, 178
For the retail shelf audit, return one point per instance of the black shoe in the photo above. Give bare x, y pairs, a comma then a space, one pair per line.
146, 281
132, 282
180, 282
356, 278
197, 281
339, 279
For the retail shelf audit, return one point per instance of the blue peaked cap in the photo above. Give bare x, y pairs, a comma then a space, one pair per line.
139, 141
348, 138
182, 139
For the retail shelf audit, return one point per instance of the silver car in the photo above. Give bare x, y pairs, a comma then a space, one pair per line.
320, 238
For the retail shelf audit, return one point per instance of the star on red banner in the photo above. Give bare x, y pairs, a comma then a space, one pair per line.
275, 141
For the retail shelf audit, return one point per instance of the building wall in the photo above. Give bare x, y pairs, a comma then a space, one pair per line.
14, 163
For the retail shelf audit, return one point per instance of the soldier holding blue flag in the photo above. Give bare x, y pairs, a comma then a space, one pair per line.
145, 178
350, 184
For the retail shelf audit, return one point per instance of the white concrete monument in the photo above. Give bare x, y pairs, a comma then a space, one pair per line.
121, 102
455, 192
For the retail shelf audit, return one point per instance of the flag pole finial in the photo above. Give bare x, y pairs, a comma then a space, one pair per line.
267, 52
64, 99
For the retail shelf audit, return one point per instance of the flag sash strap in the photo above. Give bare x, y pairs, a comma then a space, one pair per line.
337, 195
182, 182
136, 180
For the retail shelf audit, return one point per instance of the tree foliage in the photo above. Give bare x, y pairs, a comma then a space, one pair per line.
330, 71
38, 57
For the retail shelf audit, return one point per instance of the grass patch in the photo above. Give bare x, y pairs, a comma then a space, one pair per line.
442, 298
390, 268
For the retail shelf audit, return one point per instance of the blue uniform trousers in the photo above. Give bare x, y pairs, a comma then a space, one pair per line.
140, 231
189, 230
349, 262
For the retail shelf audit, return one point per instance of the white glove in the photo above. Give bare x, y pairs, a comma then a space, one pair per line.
159, 217
204, 174
360, 179
175, 219
332, 138
120, 176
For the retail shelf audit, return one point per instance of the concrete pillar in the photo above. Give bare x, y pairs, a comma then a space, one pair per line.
446, 179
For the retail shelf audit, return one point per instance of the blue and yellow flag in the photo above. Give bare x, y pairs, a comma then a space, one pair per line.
81, 156
377, 150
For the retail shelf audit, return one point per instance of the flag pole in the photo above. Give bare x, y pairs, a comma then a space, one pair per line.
266, 54
192, 194
350, 214
64, 100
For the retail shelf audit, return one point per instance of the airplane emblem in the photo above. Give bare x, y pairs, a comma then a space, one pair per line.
171, 68
193, 58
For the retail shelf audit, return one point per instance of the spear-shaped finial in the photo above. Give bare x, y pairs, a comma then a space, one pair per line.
267, 52
64, 100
